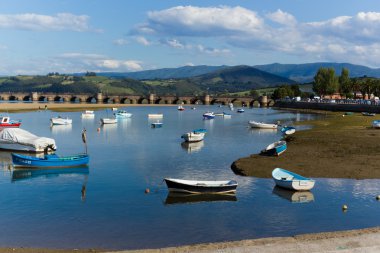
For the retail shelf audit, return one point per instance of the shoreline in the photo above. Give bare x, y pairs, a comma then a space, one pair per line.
343, 146
330, 132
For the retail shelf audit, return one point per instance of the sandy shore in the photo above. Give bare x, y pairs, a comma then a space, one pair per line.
340, 147
362, 240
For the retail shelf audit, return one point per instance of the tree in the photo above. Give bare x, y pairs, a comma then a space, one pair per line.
254, 94
345, 84
325, 81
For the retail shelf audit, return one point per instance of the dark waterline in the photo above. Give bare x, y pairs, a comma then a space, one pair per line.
52, 209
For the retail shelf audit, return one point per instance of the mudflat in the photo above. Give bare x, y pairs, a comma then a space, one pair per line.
337, 146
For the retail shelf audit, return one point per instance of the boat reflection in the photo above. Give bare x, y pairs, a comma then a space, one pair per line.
28, 173
294, 196
263, 131
183, 198
57, 129
192, 147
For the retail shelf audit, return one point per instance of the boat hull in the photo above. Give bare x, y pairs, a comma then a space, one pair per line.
292, 181
108, 121
275, 149
49, 161
61, 121
255, 124
193, 137
211, 187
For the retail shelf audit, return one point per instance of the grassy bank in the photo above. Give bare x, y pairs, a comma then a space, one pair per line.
336, 147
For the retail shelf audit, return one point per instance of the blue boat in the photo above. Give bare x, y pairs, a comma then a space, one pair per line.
275, 149
208, 115
288, 130
52, 160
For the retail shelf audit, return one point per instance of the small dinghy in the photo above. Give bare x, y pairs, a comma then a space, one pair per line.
194, 186
288, 130
61, 121
208, 115
291, 180
368, 114
376, 124
50, 160
255, 124
195, 135
240, 110
156, 125
121, 114
7, 122
275, 149
88, 114
108, 121
180, 108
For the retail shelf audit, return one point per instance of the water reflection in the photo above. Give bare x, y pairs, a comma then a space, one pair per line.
192, 147
23, 174
294, 196
183, 198
262, 131
57, 129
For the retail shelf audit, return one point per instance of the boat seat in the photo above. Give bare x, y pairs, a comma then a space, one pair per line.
287, 178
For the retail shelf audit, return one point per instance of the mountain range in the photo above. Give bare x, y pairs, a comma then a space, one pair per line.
301, 73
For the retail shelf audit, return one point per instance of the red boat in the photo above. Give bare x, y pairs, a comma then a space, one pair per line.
6, 122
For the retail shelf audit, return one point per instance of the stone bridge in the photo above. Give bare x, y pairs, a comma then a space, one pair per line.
134, 99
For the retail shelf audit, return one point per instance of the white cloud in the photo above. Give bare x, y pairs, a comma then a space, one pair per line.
121, 42
212, 51
283, 18
96, 62
37, 22
142, 40
341, 38
211, 21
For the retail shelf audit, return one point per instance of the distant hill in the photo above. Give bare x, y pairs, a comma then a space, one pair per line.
238, 78
165, 73
305, 72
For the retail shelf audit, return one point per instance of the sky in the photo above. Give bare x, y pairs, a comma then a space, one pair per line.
70, 36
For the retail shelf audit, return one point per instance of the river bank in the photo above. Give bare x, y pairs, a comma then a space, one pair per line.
338, 146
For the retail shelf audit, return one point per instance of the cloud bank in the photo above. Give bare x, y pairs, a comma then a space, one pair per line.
342, 38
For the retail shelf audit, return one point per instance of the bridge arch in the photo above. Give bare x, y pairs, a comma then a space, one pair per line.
143, 101
160, 101
237, 102
12, 98
178, 101
254, 103
75, 100
197, 101
217, 101
59, 99
125, 100
43, 99
108, 101
271, 102
27, 98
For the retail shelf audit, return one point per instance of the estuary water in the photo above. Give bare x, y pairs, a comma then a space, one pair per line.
104, 205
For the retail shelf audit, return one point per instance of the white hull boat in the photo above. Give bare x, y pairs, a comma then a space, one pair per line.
193, 137
88, 115
193, 186
291, 180
61, 121
157, 115
122, 114
255, 124
108, 121
22, 140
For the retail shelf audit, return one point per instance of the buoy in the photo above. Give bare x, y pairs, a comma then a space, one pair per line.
98, 129
378, 197
344, 207
147, 190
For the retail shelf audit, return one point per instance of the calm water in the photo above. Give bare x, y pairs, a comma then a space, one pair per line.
46, 208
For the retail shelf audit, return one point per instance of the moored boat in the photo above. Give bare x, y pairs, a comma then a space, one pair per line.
180, 108
227, 115
121, 114
88, 114
194, 136
240, 110
376, 124
22, 140
368, 114
208, 115
275, 149
108, 120
7, 122
255, 124
195, 186
291, 180
155, 115
156, 124
52, 160
61, 121
288, 130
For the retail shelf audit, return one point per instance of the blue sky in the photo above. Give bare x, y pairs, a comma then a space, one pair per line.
66, 36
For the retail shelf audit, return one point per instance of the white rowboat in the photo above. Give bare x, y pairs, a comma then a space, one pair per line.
291, 180
255, 124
